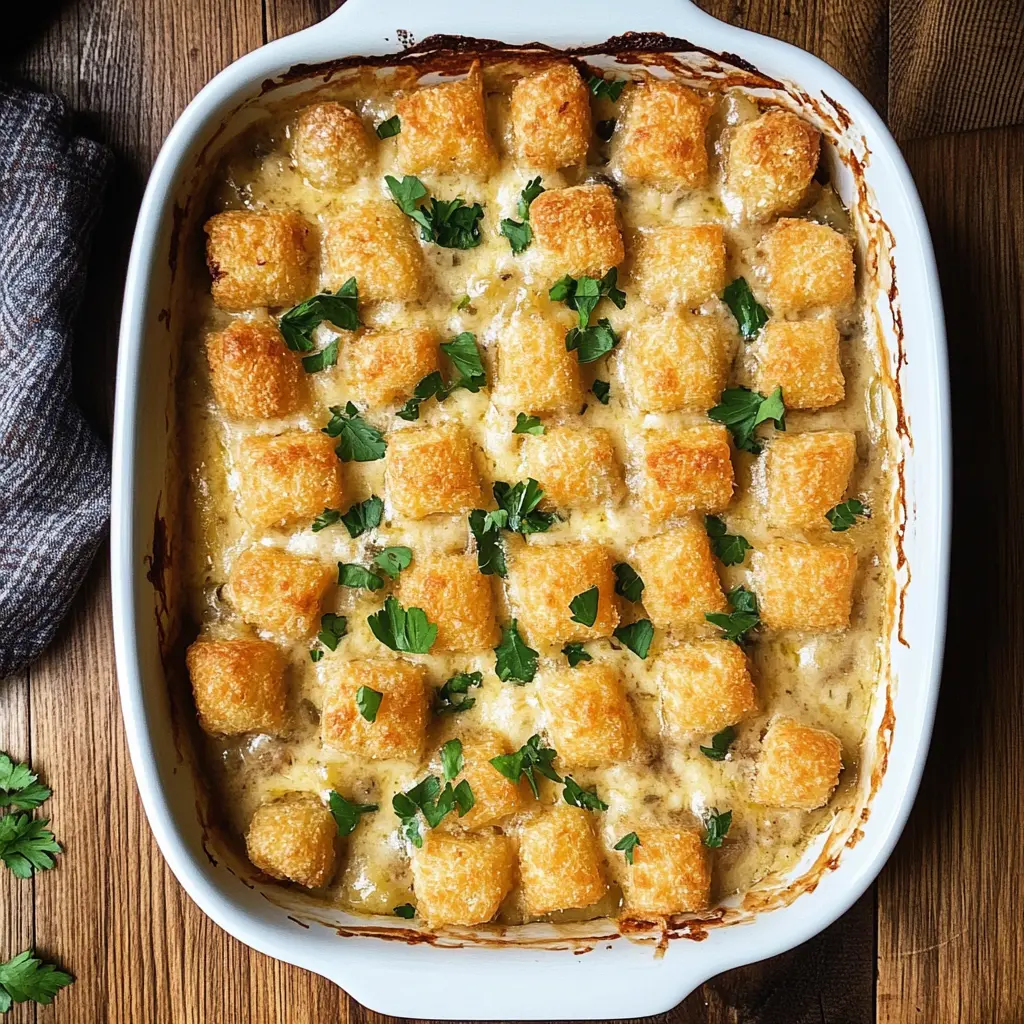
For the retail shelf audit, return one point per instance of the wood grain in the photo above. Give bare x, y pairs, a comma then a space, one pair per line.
956, 66
951, 936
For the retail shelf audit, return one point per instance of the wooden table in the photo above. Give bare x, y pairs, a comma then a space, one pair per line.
940, 937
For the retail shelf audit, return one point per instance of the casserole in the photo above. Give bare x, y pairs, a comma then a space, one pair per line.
874, 180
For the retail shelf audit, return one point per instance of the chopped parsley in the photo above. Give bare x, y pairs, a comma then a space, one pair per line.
749, 313
743, 410
584, 607
332, 629
591, 343
431, 386
347, 814
450, 224
327, 356
26, 844
363, 516
729, 548
463, 303
452, 759
743, 617
403, 629
406, 910
328, 517
531, 758
445, 702
299, 322
465, 357
844, 515
605, 129
392, 561
519, 505
575, 796
627, 844
368, 702
316, 654
518, 232
490, 555
514, 662
576, 654
357, 440
358, 577
528, 425
26, 977
637, 636
584, 293
434, 802
604, 88
390, 128
602, 389
627, 583
20, 786
720, 744
716, 826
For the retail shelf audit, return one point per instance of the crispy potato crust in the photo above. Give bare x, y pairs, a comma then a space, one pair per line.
680, 265
670, 874
575, 468
799, 766
808, 266
805, 586
330, 146
535, 372
279, 592
550, 114
577, 230
801, 357
431, 470
687, 469
383, 367
808, 474
293, 839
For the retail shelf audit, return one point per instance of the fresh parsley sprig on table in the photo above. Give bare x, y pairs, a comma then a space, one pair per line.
729, 548
20, 786
743, 411
26, 978
26, 844
451, 224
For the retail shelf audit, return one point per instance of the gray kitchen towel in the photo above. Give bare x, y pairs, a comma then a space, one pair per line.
54, 471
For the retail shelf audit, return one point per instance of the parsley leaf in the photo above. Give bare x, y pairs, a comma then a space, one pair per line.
432, 385
464, 303
451, 224
316, 654
729, 548
515, 662
520, 502
743, 617
575, 653
451, 758
743, 410
519, 235
459, 684
720, 744
393, 560
637, 636
627, 583
844, 515
358, 577
327, 356
531, 190
435, 803
490, 555
332, 629
605, 129
406, 910
465, 357
584, 293
403, 630
26, 844
347, 814
528, 425
358, 441
749, 313
464, 799
389, 128
299, 322
368, 702
328, 517
717, 825
363, 516
529, 759
584, 607
576, 796
591, 343
604, 88
601, 389
26, 977
20, 786
627, 844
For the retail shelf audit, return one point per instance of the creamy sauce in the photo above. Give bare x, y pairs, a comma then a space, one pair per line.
828, 680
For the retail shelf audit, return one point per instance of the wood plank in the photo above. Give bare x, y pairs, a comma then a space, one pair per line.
17, 918
951, 938
286, 16
851, 35
956, 66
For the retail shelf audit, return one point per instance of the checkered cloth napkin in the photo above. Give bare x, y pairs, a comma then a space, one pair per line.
54, 471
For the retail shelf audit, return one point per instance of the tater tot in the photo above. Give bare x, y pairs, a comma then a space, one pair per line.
550, 114
292, 838
330, 146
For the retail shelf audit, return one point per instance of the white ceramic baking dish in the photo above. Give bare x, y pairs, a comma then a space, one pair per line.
539, 973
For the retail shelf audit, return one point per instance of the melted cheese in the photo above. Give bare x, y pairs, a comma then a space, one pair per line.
827, 680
